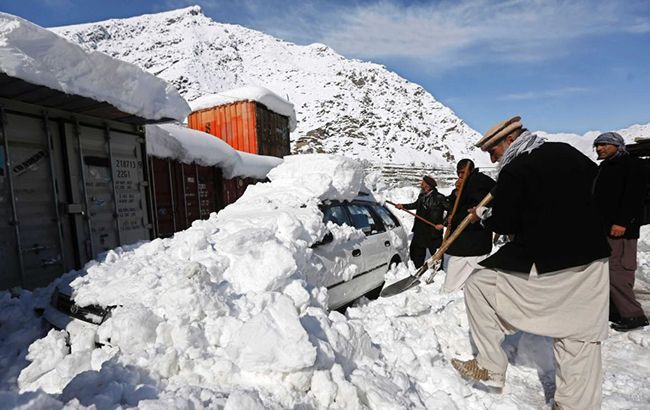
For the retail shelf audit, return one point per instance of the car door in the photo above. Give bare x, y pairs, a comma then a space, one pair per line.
341, 261
396, 236
373, 249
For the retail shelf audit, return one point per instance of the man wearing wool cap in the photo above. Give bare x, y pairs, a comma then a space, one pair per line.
619, 190
430, 206
545, 281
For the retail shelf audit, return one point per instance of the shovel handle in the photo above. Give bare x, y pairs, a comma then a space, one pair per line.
446, 244
413, 213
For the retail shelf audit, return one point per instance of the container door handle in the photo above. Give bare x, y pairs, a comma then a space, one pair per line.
356, 252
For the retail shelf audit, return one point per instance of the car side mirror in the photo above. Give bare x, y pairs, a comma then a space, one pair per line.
329, 237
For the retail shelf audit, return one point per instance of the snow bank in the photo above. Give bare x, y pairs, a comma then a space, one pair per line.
232, 304
261, 95
228, 314
187, 145
39, 56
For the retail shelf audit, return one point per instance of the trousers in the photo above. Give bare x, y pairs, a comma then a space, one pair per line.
571, 306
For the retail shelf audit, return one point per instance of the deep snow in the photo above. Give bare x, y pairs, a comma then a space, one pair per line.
39, 56
186, 145
227, 314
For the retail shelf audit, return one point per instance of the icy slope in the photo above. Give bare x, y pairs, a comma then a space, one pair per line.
344, 106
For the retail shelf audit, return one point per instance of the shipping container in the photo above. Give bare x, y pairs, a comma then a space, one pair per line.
246, 126
234, 188
183, 193
72, 182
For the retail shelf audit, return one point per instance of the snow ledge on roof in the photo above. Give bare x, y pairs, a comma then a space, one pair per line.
187, 145
261, 95
41, 57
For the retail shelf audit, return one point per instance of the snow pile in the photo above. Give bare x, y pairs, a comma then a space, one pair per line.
39, 56
225, 306
264, 96
228, 314
187, 145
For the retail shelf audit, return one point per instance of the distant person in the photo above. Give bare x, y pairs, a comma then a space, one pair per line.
475, 242
552, 279
431, 206
619, 190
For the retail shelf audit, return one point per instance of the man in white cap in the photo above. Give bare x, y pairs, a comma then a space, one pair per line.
546, 282
619, 190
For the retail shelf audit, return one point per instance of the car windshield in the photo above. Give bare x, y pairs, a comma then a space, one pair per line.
334, 214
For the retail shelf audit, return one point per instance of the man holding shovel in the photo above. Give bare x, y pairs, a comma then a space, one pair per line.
546, 282
428, 225
475, 242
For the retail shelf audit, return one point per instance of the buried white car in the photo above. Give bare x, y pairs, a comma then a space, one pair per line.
351, 268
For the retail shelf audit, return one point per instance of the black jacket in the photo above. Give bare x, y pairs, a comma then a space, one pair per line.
619, 190
544, 199
475, 240
430, 206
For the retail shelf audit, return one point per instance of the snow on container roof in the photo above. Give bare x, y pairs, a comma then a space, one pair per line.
187, 145
38, 56
261, 95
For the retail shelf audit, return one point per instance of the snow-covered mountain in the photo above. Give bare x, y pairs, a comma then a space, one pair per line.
585, 142
345, 106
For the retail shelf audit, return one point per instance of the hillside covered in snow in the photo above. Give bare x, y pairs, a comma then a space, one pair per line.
585, 141
358, 109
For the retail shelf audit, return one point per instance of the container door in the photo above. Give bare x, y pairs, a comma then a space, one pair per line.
163, 192
191, 190
208, 199
108, 192
32, 245
126, 152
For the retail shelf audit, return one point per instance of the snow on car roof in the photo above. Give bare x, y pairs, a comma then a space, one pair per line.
39, 56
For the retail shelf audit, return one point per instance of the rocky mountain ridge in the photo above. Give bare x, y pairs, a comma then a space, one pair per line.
355, 108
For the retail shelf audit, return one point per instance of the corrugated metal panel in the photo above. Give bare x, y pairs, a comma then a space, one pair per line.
272, 133
183, 193
234, 188
70, 188
209, 181
32, 248
234, 123
164, 204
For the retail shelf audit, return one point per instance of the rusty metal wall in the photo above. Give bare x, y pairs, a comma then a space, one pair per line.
183, 193
246, 126
234, 123
272, 133
71, 187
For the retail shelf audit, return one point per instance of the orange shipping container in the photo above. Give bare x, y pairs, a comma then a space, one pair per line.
246, 126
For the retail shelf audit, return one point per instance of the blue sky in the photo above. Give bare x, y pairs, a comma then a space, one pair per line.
564, 66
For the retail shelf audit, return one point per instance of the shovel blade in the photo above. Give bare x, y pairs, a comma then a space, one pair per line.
399, 286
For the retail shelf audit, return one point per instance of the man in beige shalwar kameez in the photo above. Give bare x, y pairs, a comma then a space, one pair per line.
546, 281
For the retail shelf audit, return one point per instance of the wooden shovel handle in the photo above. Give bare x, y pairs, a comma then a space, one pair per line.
413, 213
446, 244
458, 194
